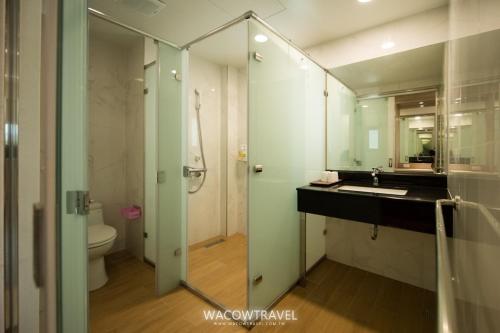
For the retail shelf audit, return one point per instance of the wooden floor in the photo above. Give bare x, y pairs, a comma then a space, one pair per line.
337, 298
220, 271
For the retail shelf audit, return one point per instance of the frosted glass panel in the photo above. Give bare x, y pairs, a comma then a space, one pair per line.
281, 104
171, 189
341, 110
357, 131
371, 133
151, 161
72, 168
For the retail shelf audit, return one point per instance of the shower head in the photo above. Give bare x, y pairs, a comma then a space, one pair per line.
197, 104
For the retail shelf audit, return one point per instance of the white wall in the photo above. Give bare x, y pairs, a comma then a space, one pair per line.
402, 255
426, 28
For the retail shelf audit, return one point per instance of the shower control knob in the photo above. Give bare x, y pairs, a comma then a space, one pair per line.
258, 168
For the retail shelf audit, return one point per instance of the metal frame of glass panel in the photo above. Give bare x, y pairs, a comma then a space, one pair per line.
11, 19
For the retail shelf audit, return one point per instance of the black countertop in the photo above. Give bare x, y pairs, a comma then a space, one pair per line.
413, 211
415, 192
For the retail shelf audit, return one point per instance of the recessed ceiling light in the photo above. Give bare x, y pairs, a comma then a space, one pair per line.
364, 106
387, 45
417, 118
420, 103
458, 115
260, 38
364, 1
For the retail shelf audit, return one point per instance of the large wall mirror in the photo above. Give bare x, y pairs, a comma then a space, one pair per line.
385, 112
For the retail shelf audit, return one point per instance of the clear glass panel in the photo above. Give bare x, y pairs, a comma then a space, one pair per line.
171, 187
280, 80
217, 142
341, 111
72, 168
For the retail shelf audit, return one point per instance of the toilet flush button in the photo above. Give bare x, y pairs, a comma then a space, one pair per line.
258, 168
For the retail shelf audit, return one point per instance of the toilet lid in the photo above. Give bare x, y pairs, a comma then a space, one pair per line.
99, 234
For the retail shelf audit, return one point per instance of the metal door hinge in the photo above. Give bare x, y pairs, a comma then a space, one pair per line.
258, 57
257, 279
146, 90
77, 202
145, 235
161, 177
325, 93
325, 232
177, 252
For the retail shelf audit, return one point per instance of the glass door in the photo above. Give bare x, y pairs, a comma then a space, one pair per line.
277, 156
72, 169
170, 256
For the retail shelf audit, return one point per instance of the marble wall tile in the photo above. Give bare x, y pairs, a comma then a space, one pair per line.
116, 145
398, 254
237, 135
134, 138
204, 206
107, 145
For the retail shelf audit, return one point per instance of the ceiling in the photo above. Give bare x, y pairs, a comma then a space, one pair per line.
405, 70
306, 22
112, 33
215, 48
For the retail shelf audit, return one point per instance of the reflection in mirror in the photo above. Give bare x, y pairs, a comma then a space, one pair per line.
388, 113
416, 114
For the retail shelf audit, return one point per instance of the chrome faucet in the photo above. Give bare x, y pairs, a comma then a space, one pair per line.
375, 173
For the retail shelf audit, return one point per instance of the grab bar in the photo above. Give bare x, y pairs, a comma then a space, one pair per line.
446, 303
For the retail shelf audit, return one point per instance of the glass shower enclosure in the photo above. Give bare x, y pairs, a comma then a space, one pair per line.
261, 107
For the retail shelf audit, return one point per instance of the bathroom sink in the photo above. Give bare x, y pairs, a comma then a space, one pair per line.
372, 190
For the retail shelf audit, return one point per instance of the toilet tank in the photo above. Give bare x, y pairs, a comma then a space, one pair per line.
95, 214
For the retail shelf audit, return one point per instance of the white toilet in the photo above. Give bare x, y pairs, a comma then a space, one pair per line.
100, 240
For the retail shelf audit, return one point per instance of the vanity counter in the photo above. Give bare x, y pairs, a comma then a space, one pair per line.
413, 211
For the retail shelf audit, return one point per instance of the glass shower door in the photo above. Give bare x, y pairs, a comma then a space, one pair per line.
171, 211
277, 150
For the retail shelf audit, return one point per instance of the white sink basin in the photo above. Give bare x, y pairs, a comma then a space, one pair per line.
373, 190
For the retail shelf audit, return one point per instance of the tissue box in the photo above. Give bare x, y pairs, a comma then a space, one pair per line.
131, 213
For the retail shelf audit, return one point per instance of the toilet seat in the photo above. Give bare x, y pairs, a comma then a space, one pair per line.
100, 234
